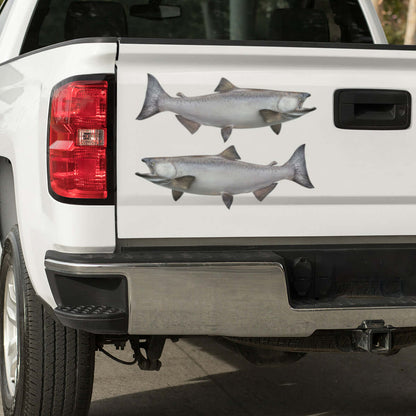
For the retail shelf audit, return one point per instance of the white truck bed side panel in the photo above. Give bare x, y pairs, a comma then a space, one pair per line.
44, 223
14, 31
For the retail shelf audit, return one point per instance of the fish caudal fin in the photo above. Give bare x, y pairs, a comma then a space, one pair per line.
154, 94
298, 163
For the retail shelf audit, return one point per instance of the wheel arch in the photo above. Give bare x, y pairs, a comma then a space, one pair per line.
8, 212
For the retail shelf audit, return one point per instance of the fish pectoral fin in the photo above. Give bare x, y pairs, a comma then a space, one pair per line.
260, 194
226, 133
225, 86
274, 163
176, 194
181, 94
271, 117
192, 126
227, 199
184, 182
276, 128
230, 153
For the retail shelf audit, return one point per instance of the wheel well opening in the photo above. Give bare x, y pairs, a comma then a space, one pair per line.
8, 214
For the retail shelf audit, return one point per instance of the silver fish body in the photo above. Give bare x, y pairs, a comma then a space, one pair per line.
215, 175
231, 107
224, 174
238, 108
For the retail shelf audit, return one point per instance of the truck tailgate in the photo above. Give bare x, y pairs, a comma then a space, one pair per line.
363, 179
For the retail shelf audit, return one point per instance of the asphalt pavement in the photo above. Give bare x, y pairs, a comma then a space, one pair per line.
202, 378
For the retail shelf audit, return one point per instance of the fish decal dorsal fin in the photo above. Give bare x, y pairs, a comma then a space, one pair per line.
181, 95
260, 194
225, 86
184, 182
274, 163
230, 154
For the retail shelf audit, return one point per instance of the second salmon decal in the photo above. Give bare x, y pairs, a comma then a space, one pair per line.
224, 174
229, 108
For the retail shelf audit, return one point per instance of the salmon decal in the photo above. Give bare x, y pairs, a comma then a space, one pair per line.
224, 174
230, 107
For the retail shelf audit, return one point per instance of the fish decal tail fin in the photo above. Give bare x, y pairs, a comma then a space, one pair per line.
154, 94
298, 163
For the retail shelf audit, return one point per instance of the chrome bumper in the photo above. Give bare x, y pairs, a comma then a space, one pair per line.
244, 299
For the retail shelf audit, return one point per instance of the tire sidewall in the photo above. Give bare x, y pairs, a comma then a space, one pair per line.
12, 257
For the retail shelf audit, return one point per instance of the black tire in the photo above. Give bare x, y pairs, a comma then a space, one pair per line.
56, 364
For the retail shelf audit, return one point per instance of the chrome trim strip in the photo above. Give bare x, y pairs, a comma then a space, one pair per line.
81, 268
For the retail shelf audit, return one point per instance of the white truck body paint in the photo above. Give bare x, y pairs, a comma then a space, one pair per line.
374, 24
14, 30
44, 223
347, 167
350, 185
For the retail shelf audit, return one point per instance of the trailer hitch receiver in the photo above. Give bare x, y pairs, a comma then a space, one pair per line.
374, 336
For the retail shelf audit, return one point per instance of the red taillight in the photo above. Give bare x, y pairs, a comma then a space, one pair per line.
78, 140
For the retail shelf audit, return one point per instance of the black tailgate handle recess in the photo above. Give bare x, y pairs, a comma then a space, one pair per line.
362, 109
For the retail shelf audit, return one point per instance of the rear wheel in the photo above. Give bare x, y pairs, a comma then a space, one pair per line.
46, 369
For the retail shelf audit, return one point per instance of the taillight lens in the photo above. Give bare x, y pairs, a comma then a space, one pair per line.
78, 140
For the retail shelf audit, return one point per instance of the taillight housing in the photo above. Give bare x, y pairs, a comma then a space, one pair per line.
79, 138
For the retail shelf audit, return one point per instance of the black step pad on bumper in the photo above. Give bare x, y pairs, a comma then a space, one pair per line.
91, 303
90, 311
93, 318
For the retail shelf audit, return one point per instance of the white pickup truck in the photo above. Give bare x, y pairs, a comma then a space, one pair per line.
124, 216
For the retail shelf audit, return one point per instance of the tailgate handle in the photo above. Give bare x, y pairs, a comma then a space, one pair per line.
372, 109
